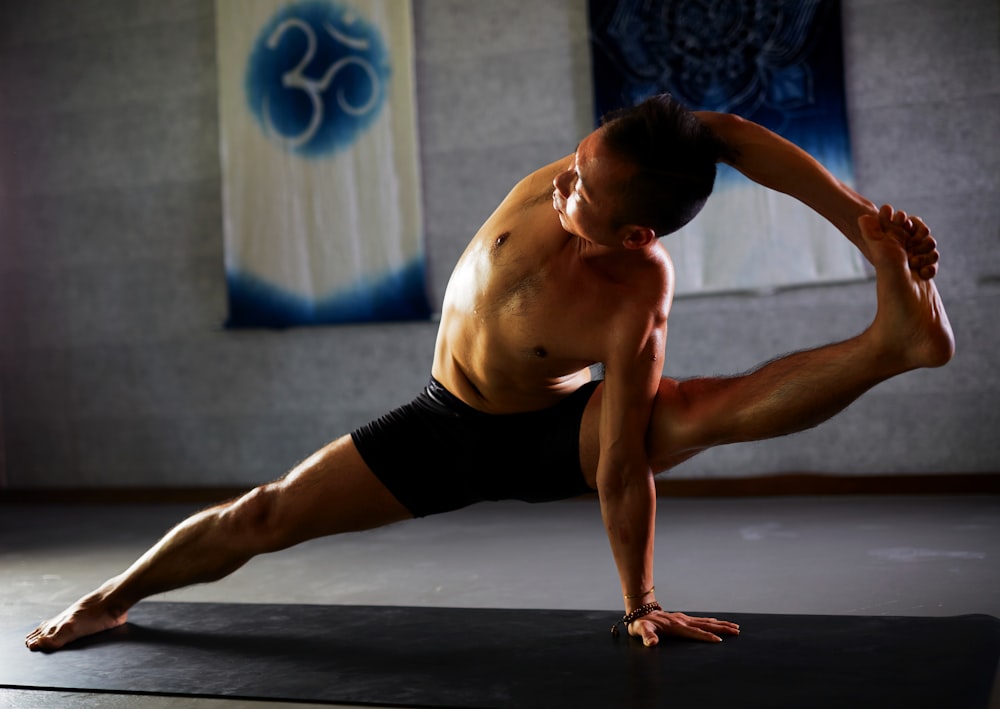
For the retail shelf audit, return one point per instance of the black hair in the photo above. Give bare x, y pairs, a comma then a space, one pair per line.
674, 155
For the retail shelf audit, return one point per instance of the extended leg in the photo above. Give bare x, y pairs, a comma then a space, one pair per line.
331, 492
910, 330
801, 390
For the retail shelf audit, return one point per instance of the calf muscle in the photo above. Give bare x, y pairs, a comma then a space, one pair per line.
787, 395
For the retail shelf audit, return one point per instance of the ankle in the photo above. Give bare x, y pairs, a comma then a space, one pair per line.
885, 357
109, 598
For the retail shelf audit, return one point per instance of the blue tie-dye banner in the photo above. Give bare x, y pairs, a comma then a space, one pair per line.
775, 62
321, 191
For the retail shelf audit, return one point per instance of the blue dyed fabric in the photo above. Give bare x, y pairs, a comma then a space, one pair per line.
321, 191
778, 63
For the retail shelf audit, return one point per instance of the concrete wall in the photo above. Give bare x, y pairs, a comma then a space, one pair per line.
114, 369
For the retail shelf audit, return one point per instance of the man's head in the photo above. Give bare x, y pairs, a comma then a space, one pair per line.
673, 155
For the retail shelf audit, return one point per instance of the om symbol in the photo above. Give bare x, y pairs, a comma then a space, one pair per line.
316, 77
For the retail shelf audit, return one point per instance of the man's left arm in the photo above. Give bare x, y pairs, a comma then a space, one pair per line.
778, 164
626, 486
624, 478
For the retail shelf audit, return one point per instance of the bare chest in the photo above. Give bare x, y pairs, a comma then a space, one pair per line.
537, 303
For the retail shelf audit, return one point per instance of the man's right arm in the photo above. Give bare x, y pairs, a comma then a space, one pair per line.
771, 161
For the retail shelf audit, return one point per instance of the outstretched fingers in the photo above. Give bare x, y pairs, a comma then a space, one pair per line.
650, 627
921, 248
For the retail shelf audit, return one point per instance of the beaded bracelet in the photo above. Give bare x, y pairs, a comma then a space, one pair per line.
635, 615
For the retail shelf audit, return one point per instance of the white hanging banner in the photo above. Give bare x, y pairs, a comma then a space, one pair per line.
320, 175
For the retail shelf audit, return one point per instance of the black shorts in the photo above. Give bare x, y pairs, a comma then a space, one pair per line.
438, 454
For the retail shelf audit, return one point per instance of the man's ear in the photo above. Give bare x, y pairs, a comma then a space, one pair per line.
637, 237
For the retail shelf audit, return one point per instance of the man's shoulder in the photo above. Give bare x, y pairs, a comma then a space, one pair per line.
644, 307
539, 182
651, 285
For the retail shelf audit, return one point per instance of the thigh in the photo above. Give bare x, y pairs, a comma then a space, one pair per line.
330, 492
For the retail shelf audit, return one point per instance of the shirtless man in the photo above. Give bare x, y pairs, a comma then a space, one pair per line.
566, 273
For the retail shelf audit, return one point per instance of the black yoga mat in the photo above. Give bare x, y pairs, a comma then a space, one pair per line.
454, 657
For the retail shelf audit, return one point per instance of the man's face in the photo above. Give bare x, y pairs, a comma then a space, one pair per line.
584, 195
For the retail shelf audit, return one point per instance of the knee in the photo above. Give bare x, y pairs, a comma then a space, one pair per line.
677, 430
253, 520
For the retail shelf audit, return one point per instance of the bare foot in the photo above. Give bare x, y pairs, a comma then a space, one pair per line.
87, 616
911, 325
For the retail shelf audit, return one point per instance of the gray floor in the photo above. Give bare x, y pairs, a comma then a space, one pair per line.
924, 556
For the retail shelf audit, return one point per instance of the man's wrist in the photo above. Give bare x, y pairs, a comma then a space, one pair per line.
640, 598
634, 614
641, 594
632, 605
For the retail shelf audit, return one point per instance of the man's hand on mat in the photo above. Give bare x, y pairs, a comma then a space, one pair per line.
650, 627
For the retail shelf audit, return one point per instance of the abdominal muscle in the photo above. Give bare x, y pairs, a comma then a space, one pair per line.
490, 375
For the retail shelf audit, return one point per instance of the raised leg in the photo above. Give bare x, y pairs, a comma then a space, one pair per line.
331, 492
801, 390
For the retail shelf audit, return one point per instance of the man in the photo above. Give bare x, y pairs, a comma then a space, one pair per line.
555, 281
